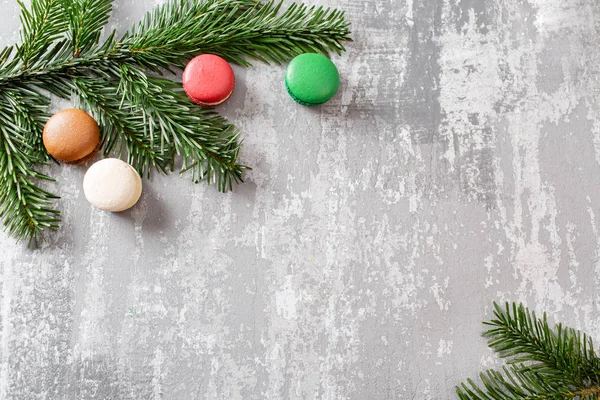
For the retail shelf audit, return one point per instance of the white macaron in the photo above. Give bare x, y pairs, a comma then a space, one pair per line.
112, 185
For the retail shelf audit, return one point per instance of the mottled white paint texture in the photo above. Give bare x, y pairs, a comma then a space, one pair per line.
458, 165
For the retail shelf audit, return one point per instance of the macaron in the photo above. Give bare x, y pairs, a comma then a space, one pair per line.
208, 80
71, 136
312, 79
112, 185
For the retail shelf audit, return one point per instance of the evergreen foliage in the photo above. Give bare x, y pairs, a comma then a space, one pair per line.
145, 119
543, 363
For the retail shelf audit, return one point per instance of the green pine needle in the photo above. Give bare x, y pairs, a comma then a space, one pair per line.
145, 119
86, 18
236, 30
42, 24
124, 134
544, 363
27, 209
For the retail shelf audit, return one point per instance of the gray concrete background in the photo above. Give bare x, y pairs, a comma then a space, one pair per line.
458, 165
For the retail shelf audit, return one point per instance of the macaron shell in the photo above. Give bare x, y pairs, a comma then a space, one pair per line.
312, 79
112, 185
208, 80
71, 136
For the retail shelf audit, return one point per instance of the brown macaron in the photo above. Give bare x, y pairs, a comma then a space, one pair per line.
72, 136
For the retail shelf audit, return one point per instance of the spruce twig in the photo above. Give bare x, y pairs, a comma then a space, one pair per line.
208, 144
235, 30
124, 132
42, 24
86, 18
26, 208
145, 119
544, 363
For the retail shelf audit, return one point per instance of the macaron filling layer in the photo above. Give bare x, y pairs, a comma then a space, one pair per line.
205, 104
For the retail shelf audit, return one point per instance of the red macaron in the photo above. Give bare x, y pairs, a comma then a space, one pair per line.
208, 80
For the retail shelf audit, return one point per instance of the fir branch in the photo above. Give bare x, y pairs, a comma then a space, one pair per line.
124, 128
517, 334
26, 209
237, 30
151, 120
208, 145
33, 122
520, 383
86, 19
147, 119
545, 363
42, 24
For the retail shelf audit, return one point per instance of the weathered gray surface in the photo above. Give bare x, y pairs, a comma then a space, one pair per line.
458, 165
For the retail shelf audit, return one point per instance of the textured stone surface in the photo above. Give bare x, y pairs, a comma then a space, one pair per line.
458, 165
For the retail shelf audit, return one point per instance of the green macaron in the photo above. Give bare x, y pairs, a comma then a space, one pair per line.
312, 79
